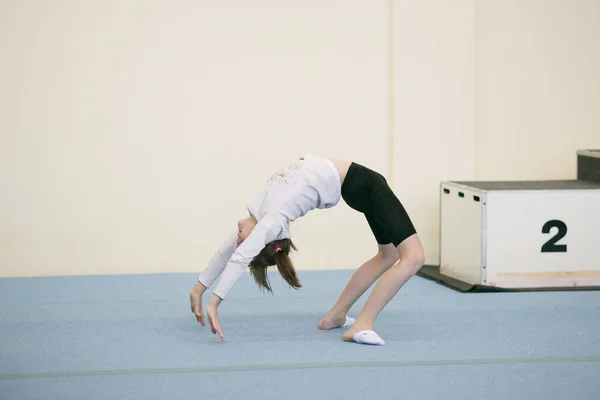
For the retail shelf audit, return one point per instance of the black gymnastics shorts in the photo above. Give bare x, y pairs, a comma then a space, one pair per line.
368, 192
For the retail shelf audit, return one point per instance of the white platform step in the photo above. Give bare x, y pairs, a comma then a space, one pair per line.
523, 234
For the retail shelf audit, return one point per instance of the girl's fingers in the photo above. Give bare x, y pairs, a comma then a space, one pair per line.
215, 326
220, 333
196, 306
212, 324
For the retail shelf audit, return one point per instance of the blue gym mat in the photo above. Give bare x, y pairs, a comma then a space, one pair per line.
134, 337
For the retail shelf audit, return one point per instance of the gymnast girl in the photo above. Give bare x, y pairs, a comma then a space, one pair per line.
263, 240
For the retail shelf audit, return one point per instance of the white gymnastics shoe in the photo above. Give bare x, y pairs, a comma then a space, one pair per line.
368, 337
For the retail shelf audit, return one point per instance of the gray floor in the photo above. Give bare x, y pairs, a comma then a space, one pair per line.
133, 337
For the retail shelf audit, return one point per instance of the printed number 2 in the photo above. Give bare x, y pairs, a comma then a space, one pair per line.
550, 246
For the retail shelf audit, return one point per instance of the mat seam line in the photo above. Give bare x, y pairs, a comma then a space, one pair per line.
281, 367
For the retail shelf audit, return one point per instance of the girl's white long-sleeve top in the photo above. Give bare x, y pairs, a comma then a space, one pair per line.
309, 183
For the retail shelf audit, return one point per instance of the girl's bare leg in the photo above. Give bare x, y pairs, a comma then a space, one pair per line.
411, 259
361, 280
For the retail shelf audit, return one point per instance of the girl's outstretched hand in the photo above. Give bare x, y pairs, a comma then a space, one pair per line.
213, 316
196, 302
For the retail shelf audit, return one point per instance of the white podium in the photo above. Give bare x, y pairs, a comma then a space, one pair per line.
521, 235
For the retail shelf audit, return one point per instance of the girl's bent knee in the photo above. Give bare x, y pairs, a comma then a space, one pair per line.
413, 263
411, 251
417, 258
413, 258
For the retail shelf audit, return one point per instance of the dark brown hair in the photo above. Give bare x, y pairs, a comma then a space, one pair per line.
269, 256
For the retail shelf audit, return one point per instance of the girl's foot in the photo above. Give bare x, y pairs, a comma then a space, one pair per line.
333, 322
362, 336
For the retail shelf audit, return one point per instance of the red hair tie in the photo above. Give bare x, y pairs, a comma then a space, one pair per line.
277, 250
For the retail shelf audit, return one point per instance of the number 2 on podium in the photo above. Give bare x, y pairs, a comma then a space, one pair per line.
551, 245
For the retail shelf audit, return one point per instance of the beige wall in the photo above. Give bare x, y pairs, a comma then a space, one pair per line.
133, 133
538, 86
433, 106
